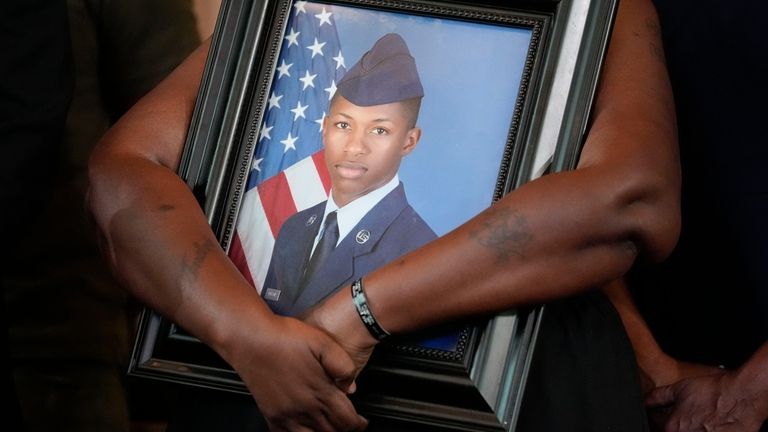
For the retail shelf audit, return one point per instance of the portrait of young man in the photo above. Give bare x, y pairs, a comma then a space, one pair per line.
335, 60
367, 220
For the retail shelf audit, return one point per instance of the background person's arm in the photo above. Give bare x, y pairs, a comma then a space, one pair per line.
656, 367
162, 248
561, 234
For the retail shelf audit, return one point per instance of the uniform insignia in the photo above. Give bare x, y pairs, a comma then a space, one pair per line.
311, 220
272, 294
362, 236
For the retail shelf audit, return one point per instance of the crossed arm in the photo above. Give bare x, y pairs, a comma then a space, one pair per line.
161, 246
556, 236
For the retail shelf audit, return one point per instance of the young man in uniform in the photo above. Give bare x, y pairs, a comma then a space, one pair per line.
367, 221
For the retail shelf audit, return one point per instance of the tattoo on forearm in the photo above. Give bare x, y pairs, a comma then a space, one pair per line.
656, 50
190, 269
505, 231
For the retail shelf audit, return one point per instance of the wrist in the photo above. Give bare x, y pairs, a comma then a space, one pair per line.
660, 368
752, 382
364, 312
250, 320
338, 316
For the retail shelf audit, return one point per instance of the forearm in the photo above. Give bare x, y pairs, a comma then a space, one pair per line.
655, 364
165, 254
556, 237
156, 236
564, 233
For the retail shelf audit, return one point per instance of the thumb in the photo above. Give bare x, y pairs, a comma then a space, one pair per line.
660, 397
338, 365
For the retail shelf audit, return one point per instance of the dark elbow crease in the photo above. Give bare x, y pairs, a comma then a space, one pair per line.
653, 225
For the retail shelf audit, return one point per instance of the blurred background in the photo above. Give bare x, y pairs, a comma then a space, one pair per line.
70, 327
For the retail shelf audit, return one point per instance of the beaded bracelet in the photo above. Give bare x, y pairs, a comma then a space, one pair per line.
361, 304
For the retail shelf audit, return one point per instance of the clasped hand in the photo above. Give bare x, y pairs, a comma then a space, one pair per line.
299, 377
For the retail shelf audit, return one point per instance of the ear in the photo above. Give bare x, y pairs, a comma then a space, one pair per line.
412, 138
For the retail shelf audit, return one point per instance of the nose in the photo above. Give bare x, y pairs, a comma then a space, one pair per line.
356, 143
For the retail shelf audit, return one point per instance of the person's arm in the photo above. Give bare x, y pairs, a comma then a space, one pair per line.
556, 236
162, 248
657, 368
731, 401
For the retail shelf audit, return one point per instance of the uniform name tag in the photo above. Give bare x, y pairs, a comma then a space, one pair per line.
272, 294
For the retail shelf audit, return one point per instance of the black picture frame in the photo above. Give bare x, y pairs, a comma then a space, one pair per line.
477, 385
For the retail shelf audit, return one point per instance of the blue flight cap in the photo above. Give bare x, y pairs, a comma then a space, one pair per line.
385, 74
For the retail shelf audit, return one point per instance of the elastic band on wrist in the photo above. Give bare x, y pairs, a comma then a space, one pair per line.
361, 304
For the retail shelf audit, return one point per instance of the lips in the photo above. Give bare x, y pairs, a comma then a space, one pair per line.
350, 170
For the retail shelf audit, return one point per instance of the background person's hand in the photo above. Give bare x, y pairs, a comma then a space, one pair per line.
667, 370
713, 403
298, 376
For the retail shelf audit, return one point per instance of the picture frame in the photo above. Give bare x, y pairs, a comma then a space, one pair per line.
522, 90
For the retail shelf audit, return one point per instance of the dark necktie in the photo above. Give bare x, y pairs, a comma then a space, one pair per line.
327, 243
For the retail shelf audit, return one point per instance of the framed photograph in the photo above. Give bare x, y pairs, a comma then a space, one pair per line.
377, 126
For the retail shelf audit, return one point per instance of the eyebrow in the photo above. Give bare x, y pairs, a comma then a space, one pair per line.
378, 120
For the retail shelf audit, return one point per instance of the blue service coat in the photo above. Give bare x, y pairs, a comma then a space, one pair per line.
394, 229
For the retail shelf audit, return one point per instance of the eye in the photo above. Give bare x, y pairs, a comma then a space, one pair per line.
342, 125
379, 131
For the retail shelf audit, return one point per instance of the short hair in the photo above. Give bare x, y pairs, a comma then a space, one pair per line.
411, 109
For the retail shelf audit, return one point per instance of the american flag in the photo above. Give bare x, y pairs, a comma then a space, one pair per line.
288, 172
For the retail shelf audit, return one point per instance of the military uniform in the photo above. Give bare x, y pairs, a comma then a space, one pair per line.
390, 229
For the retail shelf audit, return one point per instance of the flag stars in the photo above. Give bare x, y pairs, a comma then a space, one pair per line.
265, 132
320, 121
299, 111
293, 38
324, 17
284, 69
308, 80
331, 90
317, 48
340, 61
299, 5
257, 164
274, 101
289, 142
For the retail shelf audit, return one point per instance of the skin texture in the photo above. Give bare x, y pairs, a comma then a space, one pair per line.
159, 243
364, 146
557, 236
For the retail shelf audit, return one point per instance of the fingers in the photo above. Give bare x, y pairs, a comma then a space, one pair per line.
323, 408
342, 415
300, 424
338, 365
660, 397
341, 370
326, 422
304, 388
